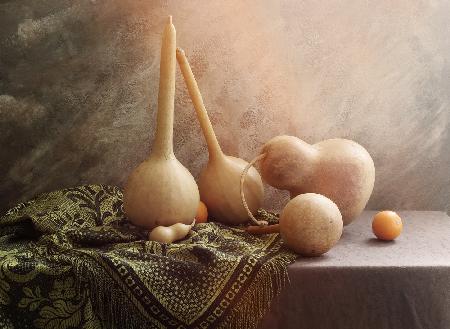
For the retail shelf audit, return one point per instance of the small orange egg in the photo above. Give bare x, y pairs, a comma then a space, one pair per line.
202, 213
387, 225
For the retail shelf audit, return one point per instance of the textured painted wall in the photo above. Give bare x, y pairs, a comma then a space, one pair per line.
79, 79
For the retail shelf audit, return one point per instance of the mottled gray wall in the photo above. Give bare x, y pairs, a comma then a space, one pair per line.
79, 79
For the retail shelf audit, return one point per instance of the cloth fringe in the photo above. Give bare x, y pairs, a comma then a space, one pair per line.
257, 299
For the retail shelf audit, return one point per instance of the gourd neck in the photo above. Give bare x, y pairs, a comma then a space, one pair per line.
163, 143
214, 150
215, 155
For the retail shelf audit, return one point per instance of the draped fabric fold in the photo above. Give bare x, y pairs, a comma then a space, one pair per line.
71, 259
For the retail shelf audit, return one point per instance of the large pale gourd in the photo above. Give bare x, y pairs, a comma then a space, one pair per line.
161, 191
219, 181
339, 169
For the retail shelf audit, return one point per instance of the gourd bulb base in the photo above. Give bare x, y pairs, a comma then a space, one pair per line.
219, 186
160, 192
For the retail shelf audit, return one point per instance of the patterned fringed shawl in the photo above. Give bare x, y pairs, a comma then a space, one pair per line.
70, 259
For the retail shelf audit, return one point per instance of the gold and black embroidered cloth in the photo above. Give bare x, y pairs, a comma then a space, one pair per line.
70, 259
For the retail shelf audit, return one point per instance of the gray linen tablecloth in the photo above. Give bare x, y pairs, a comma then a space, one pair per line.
366, 283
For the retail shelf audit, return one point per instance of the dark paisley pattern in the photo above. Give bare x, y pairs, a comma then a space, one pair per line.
70, 259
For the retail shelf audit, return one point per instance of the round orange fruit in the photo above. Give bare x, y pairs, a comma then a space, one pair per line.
387, 225
202, 213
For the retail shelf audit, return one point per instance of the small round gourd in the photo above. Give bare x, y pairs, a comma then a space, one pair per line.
310, 224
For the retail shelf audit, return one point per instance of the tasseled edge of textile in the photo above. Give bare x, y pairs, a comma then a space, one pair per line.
109, 301
257, 299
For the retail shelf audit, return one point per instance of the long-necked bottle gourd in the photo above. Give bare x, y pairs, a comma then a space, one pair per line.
219, 181
161, 191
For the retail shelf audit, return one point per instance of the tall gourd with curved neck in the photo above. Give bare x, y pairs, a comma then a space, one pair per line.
219, 181
161, 191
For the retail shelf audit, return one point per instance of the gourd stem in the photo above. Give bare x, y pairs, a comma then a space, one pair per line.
214, 150
244, 203
163, 143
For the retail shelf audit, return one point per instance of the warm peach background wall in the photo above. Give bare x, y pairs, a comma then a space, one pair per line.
79, 79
